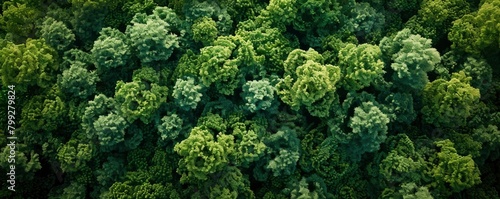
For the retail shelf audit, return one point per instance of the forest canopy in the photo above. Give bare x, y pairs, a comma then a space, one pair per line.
250, 99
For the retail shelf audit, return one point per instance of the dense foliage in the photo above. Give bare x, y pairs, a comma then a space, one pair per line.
252, 98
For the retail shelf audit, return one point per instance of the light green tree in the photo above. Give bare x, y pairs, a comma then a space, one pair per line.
30, 64
360, 65
203, 155
151, 35
410, 57
453, 170
186, 93
308, 83
139, 100
449, 103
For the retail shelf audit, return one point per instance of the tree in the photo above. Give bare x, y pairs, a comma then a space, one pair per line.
119, 190
161, 169
475, 67
249, 147
435, 18
361, 65
43, 112
170, 127
480, 72
313, 19
110, 50
258, 95
27, 162
78, 82
311, 187
151, 36
489, 140
268, 42
202, 155
456, 171
100, 106
30, 64
120, 12
19, 19
110, 130
146, 75
369, 129
449, 103
412, 191
75, 55
73, 155
186, 93
138, 100
365, 22
229, 183
56, 34
249, 62
308, 83
398, 164
217, 67
400, 106
250, 98
148, 190
284, 147
281, 12
477, 32
196, 10
112, 170
205, 30
74, 190
411, 58
187, 66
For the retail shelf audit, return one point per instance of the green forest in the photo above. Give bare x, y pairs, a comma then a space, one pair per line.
242, 99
